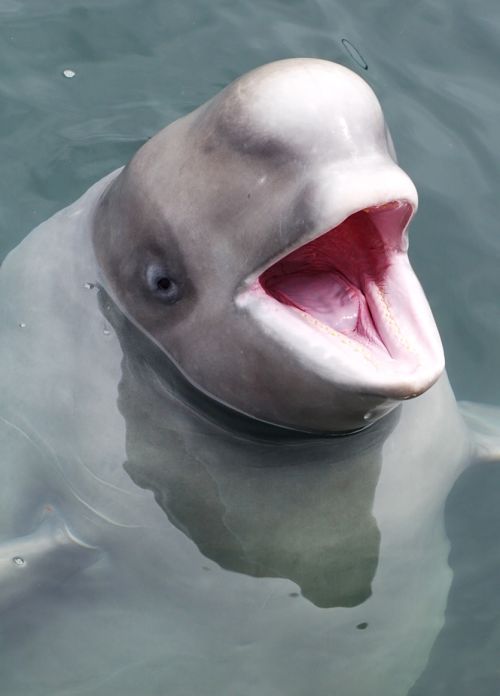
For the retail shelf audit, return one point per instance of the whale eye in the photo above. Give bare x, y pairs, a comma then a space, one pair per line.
161, 284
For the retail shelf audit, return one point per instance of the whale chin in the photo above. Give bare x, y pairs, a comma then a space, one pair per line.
349, 302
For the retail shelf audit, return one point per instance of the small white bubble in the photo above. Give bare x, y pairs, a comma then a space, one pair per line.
89, 286
22, 325
69, 73
18, 561
106, 332
368, 415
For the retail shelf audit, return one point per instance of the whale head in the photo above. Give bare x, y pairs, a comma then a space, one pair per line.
261, 242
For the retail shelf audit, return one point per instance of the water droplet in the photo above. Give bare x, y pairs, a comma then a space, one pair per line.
22, 325
89, 286
18, 561
355, 54
362, 626
69, 73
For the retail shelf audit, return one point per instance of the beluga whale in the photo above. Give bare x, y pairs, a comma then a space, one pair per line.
227, 434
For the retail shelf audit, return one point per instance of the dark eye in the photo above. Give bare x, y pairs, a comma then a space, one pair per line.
161, 284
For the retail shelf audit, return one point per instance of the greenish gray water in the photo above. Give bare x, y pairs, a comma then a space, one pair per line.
139, 65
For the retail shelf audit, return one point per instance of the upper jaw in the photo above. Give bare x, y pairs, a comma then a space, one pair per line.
347, 304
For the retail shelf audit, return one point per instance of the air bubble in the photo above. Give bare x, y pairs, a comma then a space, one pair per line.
89, 286
69, 73
22, 325
18, 561
106, 332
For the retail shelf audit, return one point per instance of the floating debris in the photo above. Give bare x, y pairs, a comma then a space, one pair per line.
69, 73
362, 626
355, 54
18, 561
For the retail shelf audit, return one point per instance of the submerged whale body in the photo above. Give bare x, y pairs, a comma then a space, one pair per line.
227, 440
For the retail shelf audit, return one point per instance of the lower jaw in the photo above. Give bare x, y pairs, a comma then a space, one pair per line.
366, 363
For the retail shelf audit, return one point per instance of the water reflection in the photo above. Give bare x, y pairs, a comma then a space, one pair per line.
253, 499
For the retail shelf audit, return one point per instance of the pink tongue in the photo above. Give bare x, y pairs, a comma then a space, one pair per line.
326, 296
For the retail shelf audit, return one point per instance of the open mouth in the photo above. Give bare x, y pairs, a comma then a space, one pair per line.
340, 278
350, 303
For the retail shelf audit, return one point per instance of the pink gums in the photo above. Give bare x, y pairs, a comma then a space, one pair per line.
330, 277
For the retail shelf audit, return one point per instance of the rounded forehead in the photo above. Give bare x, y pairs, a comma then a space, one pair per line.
305, 104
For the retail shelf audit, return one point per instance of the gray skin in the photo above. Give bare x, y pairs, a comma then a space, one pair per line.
203, 551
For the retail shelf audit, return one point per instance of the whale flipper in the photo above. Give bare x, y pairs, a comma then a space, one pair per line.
484, 423
44, 558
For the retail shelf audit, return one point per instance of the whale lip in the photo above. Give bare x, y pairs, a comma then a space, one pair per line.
349, 302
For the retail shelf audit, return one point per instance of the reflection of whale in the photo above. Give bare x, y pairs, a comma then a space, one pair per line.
253, 498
